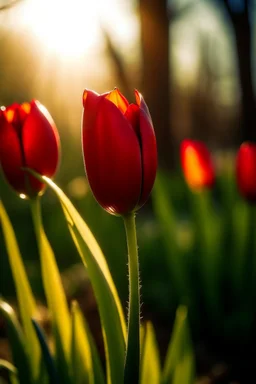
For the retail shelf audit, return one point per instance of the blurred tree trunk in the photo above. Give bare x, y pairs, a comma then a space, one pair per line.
243, 44
156, 73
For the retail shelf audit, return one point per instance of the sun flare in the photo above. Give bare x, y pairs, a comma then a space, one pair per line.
71, 29
65, 28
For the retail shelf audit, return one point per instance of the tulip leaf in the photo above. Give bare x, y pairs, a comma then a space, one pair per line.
97, 366
243, 260
111, 324
81, 356
48, 359
26, 301
110, 308
18, 344
184, 371
165, 214
208, 241
179, 350
150, 360
55, 296
14, 379
10, 369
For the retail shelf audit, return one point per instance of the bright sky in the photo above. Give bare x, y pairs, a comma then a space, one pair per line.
72, 28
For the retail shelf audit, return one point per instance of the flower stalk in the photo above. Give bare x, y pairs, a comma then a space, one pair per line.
132, 361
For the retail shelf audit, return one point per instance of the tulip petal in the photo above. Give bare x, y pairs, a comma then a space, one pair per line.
11, 155
112, 157
142, 104
90, 103
140, 119
40, 144
88, 94
132, 114
118, 99
246, 171
148, 155
197, 164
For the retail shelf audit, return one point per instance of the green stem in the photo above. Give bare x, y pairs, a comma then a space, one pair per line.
37, 217
132, 361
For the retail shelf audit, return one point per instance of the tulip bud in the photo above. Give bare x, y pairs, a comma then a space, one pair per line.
119, 148
197, 165
246, 171
28, 138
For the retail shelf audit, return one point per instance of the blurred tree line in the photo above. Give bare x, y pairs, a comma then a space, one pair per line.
156, 19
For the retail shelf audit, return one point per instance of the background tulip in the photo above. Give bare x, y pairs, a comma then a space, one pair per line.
119, 147
28, 138
246, 171
197, 164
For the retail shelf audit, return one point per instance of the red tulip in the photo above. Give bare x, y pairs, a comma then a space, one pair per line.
119, 147
28, 138
246, 171
197, 165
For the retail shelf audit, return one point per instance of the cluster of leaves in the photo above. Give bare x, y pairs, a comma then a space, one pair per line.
74, 357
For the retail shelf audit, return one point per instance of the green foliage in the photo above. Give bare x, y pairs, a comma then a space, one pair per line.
46, 354
81, 357
212, 262
179, 363
10, 369
79, 361
55, 296
26, 301
150, 360
217, 249
105, 291
18, 344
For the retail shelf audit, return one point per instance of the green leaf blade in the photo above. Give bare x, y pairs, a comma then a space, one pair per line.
26, 301
150, 360
165, 214
81, 356
55, 296
114, 328
179, 357
18, 344
48, 360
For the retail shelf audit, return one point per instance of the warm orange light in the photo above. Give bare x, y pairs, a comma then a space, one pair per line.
197, 165
71, 30
118, 99
9, 114
26, 107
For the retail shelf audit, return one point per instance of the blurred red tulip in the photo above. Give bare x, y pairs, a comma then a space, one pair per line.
246, 171
197, 165
28, 138
119, 147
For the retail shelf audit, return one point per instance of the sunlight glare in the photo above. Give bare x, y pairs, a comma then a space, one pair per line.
66, 28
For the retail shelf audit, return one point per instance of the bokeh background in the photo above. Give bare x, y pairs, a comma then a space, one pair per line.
195, 63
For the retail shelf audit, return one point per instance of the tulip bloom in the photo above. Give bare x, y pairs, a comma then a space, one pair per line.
119, 148
197, 165
28, 138
246, 171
